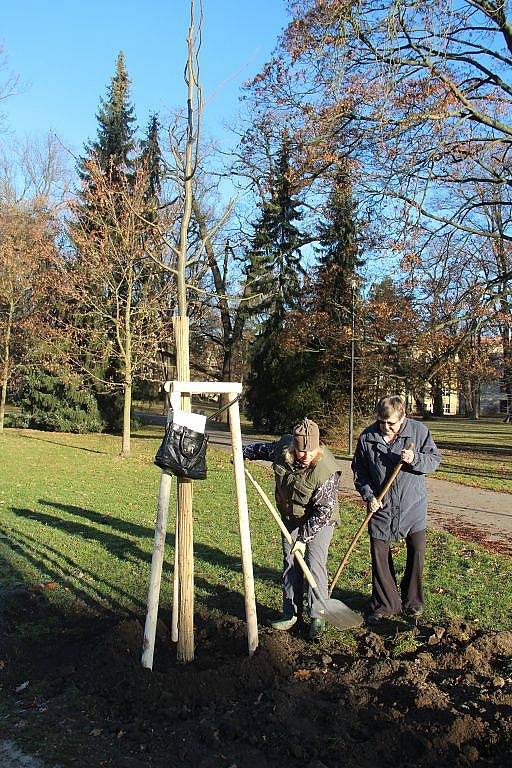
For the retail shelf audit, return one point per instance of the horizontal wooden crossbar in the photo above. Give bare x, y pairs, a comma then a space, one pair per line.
203, 387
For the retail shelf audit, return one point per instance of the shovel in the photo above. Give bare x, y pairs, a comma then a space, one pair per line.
391, 479
334, 611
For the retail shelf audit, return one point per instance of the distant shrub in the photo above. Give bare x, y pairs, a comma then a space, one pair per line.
55, 401
16, 420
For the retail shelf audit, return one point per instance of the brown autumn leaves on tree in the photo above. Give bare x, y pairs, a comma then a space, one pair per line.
30, 174
27, 262
416, 96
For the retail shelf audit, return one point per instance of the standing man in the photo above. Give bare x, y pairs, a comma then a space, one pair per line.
403, 511
307, 478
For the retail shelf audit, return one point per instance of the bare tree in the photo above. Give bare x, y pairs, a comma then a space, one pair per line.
118, 300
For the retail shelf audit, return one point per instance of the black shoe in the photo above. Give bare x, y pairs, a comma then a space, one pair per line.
416, 611
377, 616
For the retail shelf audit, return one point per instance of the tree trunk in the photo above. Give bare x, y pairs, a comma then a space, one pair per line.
419, 402
223, 417
476, 401
437, 397
506, 335
127, 405
185, 651
5, 370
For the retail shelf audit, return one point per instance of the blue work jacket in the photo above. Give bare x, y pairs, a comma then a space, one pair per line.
404, 507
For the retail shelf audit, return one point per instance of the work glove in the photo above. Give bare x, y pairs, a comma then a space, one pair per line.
299, 546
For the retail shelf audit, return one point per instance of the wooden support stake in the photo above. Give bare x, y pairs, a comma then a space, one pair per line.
155, 578
176, 583
243, 524
185, 652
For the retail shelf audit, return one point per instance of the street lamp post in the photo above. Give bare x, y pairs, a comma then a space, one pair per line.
353, 285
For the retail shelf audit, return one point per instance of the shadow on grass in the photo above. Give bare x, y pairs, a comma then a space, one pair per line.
97, 592
495, 474
65, 445
494, 450
94, 591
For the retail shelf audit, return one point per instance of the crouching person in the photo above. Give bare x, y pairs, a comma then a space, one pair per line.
307, 478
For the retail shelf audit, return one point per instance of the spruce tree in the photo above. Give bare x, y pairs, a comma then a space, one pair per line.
151, 159
113, 151
334, 292
275, 271
339, 256
114, 144
275, 257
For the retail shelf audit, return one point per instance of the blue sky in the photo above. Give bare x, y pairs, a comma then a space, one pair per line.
65, 52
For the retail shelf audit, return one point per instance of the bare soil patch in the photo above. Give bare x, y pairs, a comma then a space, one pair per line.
424, 695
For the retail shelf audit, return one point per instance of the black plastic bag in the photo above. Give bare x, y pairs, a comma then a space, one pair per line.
183, 451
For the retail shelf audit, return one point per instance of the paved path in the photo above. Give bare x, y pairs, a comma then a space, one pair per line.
473, 513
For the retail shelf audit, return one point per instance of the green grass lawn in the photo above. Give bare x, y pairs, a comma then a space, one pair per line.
74, 513
476, 453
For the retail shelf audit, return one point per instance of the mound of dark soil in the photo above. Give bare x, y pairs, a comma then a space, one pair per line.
446, 701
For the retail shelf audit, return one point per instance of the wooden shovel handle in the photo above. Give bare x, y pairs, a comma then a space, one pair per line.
284, 530
387, 485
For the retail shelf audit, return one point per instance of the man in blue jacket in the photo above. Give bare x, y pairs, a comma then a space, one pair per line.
402, 514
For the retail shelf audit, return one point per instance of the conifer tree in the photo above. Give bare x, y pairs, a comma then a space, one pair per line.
339, 257
334, 291
114, 144
151, 159
275, 270
113, 153
275, 257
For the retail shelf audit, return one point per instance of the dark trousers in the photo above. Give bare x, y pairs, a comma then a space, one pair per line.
387, 598
293, 579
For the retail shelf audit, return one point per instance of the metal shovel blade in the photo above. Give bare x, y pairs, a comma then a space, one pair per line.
337, 613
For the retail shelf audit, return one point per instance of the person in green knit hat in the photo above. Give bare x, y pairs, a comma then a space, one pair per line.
307, 478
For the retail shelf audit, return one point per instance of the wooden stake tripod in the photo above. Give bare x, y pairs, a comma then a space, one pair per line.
176, 390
